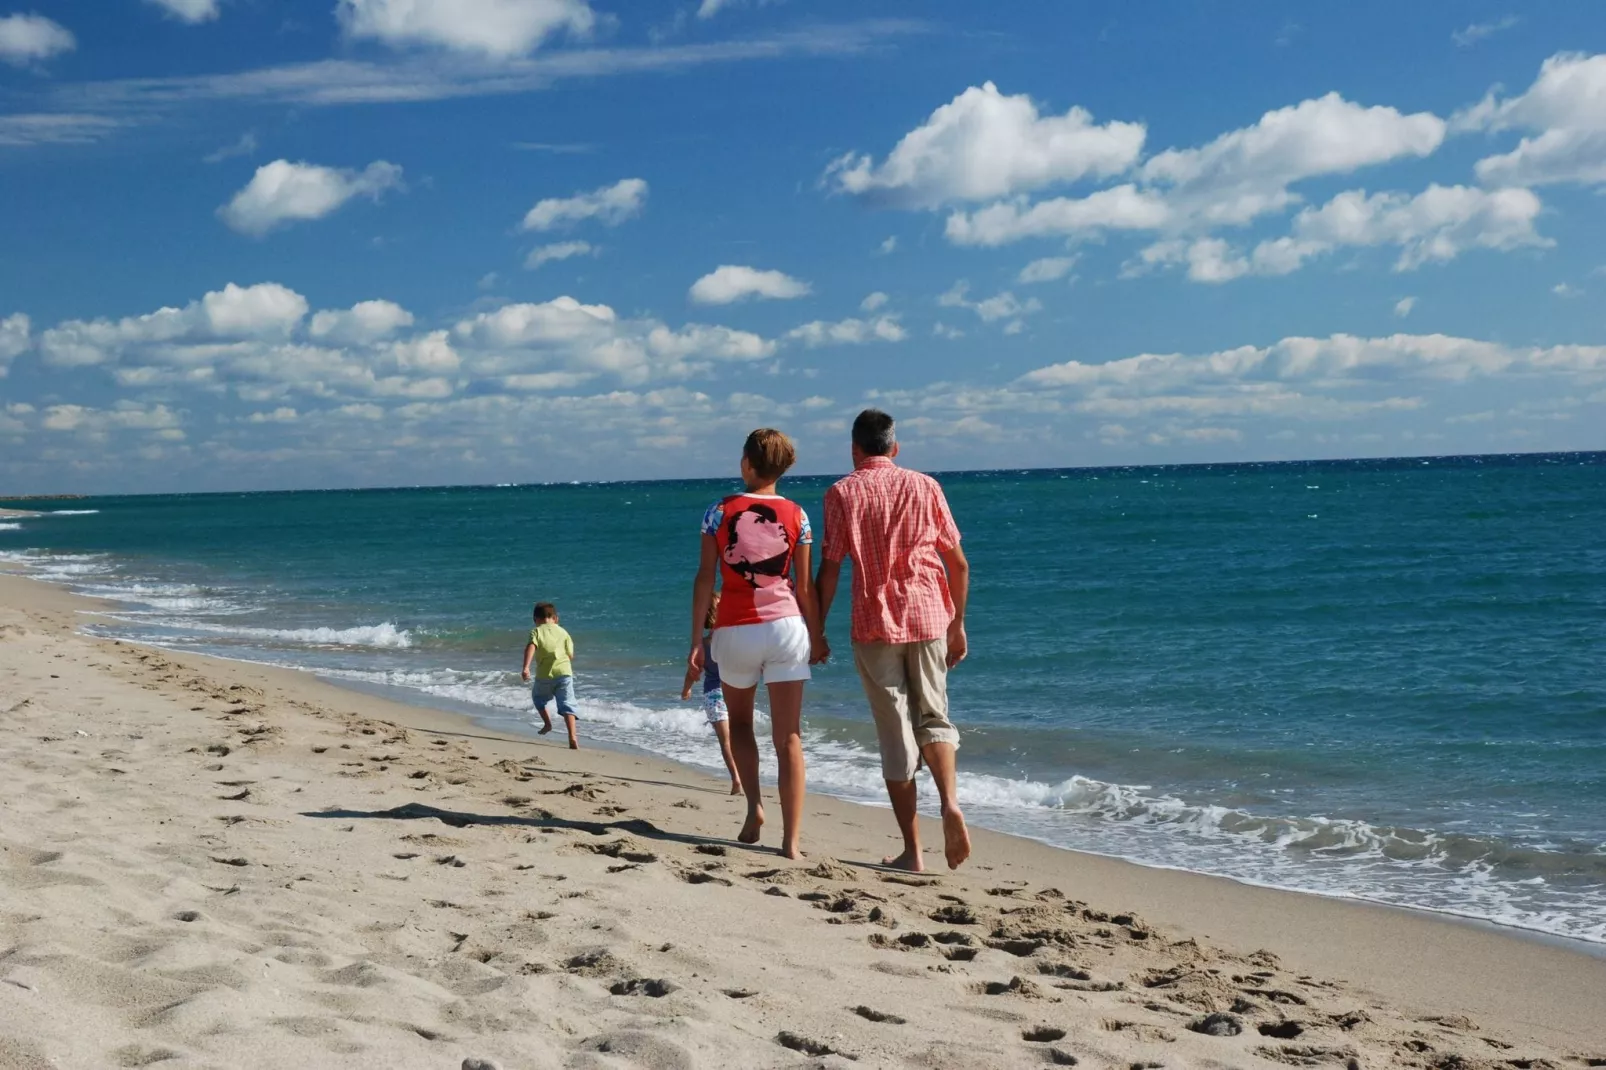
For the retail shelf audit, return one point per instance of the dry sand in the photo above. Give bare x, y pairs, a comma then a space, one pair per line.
210, 864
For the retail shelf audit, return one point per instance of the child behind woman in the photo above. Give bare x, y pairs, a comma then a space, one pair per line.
714, 697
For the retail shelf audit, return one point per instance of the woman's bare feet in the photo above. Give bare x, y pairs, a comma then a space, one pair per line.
791, 851
736, 787
755, 822
955, 837
909, 861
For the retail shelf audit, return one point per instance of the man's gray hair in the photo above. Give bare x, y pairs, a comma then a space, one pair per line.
874, 433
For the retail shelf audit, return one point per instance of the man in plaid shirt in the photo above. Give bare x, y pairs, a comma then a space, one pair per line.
910, 584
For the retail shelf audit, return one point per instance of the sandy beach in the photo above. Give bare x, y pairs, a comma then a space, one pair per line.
213, 864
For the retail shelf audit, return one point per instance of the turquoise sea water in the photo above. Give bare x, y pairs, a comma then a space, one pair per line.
1382, 679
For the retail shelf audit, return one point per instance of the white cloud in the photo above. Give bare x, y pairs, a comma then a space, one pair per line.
284, 414
889, 245
943, 330
1245, 173
734, 282
1231, 181
366, 321
123, 416
245, 146
563, 250
1566, 105
30, 39
1435, 225
1403, 307
983, 145
54, 128
1123, 207
1471, 35
500, 29
283, 192
578, 342
1330, 360
1001, 306
247, 311
873, 302
16, 338
192, 11
1561, 289
1046, 269
849, 332
234, 312
609, 205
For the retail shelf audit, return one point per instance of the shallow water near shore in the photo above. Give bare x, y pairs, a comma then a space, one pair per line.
1379, 679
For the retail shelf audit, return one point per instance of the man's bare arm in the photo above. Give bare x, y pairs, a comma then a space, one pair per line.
825, 586
959, 589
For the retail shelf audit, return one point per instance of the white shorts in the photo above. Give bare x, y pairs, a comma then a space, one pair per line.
776, 652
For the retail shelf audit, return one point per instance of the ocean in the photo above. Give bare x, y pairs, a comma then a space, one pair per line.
1380, 679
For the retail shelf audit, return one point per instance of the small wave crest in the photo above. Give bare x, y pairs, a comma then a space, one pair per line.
9, 526
70, 512
385, 634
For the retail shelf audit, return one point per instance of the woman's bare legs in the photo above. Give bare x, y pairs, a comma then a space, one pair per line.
744, 749
722, 732
786, 721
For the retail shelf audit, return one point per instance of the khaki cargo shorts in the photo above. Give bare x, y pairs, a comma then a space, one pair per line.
907, 685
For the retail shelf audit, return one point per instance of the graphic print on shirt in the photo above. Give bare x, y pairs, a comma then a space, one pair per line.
756, 539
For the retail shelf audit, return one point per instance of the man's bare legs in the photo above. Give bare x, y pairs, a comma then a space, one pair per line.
722, 732
955, 836
786, 723
904, 795
744, 748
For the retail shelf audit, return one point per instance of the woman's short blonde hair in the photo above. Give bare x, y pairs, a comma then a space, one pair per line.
770, 453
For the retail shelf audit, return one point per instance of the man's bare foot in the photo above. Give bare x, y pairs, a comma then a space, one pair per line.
909, 861
736, 787
750, 830
545, 730
955, 837
793, 852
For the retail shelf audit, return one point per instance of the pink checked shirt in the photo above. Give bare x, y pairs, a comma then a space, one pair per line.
895, 524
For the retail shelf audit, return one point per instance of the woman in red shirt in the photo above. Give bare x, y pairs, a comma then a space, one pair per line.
768, 623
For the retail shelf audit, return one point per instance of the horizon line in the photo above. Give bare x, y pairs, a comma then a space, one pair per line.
820, 475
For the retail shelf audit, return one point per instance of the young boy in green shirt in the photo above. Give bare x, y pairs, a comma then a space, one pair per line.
553, 652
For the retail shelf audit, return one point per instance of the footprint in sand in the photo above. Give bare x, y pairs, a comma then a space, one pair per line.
955, 914
871, 1015
808, 1045
656, 988
1217, 1025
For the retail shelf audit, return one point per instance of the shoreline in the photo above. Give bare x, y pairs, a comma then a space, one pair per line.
1413, 965
421, 700
931, 831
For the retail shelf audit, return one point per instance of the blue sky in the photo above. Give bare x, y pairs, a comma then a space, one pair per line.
355, 242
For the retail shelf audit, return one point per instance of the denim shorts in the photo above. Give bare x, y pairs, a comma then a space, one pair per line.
556, 687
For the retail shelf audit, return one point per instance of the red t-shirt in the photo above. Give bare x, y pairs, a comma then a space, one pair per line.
756, 535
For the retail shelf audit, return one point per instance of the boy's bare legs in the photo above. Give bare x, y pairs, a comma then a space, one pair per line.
786, 722
571, 722
722, 732
904, 795
744, 748
546, 719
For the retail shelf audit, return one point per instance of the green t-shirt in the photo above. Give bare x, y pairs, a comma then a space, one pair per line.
553, 649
